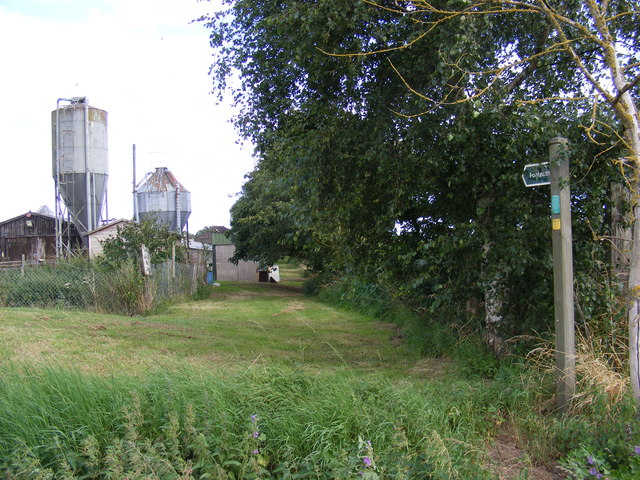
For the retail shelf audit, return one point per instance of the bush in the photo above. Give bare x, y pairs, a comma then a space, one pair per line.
45, 287
121, 290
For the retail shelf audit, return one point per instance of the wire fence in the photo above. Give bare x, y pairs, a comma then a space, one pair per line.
72, 285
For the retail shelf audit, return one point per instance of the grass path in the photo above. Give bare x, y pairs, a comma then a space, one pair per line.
247, 327
239, 326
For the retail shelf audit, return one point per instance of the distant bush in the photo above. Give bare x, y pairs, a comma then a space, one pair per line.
46, 287
89, 285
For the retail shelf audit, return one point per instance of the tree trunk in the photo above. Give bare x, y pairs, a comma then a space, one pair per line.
621, 232
626, 111
493, 304
629, 115
493, 301
632, 135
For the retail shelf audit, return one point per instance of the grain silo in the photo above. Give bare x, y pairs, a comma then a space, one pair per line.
80, 167
162, 198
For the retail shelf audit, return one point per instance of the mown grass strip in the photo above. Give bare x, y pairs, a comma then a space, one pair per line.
239, 326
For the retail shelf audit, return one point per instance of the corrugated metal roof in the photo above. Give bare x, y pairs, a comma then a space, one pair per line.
220, 239
162, 180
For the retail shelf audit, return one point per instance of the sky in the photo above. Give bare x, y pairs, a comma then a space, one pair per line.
147, 65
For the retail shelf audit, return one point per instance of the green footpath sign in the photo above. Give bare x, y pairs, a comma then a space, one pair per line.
536, 174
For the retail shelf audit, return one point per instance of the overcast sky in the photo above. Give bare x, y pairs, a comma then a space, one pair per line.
145, 64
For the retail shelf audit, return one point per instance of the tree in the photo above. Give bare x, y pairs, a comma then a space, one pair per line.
262, 227
126, 245
593, 42
425, 198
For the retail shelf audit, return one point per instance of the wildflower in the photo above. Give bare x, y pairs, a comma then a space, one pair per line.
256, 434
366, 461
256, 452
594, 471
254, 418
636, 450
590, 460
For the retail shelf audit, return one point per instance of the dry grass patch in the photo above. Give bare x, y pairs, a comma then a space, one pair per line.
509, 461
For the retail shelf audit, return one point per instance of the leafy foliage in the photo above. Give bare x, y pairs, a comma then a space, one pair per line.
262, 224
431, 207
126, 245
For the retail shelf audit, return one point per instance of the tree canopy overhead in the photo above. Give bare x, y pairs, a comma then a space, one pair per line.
391, 136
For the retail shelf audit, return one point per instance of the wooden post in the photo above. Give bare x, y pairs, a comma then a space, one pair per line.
147, 300
562, 272
621, 233
173, 261
214, 261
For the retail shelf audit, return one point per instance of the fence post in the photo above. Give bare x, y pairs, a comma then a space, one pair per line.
22, 263
168, 268
146, 272
173, 261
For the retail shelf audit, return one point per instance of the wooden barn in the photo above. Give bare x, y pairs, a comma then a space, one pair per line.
34, 236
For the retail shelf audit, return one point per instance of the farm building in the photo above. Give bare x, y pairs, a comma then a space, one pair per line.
33, 235
98, 235
225, 270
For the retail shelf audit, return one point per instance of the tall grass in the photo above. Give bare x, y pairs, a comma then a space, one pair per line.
262, 423
602, 426
192, 422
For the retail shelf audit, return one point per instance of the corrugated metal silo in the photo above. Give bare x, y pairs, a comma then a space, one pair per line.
162, 198
80, 166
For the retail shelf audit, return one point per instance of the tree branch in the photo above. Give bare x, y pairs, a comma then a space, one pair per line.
626, 88
532, 65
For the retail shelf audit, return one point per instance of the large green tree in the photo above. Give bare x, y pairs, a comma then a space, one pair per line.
595, 43
394, 165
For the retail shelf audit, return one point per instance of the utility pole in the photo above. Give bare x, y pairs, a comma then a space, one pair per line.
214, 265
562, 272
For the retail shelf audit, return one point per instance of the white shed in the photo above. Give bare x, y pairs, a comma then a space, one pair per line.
100, 234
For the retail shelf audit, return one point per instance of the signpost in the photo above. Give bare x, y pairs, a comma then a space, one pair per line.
556, 173
536, 174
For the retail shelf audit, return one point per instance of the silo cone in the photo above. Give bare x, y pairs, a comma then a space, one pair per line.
79, 134
162, 198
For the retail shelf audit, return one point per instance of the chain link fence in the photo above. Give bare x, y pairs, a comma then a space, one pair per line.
78, 285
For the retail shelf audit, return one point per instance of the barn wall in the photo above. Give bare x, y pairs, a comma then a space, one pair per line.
98, 236
17, 227
32, 235
35, 249
227, 271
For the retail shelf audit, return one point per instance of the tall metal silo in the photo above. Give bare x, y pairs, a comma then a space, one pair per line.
80, 166
162, 198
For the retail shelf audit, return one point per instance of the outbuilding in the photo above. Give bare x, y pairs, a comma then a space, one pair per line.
100, 234
223, 270
33, 235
